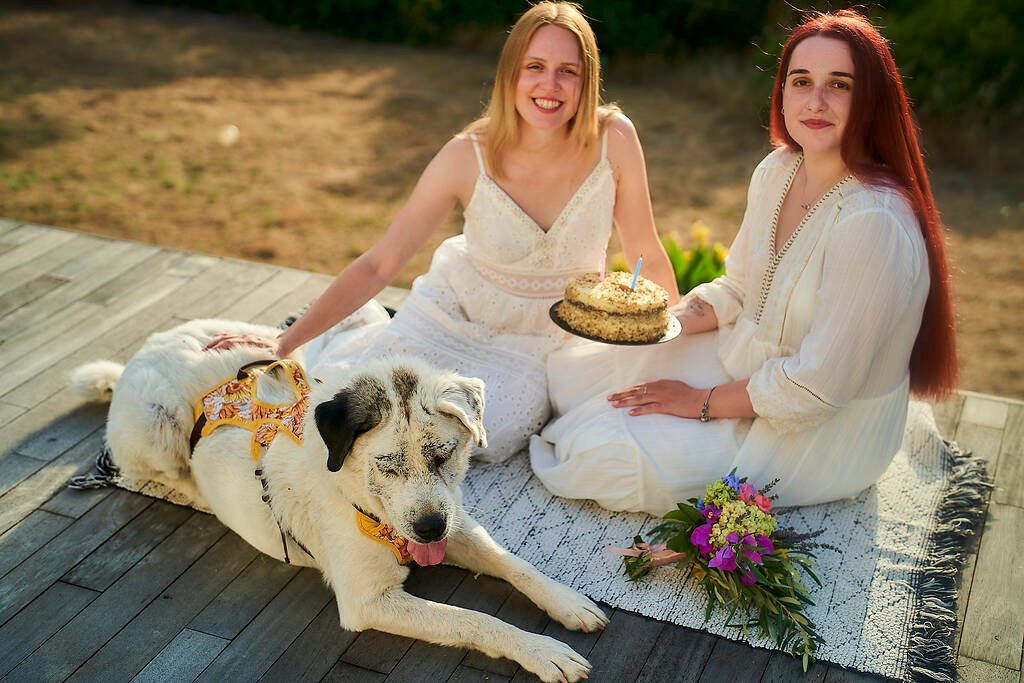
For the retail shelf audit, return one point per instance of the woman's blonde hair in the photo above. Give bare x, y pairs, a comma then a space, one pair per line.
500, 125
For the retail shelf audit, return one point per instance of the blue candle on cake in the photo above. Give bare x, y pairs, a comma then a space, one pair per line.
636, 272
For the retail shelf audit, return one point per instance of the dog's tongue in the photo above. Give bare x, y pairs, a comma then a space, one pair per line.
426, 554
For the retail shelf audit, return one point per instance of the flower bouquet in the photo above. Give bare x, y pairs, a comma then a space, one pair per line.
742, 561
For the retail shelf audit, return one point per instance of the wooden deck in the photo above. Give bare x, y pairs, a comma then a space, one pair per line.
111, 586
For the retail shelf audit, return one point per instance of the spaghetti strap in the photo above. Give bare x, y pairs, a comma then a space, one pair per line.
479, 155
604, 144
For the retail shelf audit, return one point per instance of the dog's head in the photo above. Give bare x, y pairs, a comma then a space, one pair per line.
407, 429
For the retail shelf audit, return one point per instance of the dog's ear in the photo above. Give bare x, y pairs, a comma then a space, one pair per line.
463, 399
340, 421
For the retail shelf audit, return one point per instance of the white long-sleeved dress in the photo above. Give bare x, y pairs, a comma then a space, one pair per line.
823, 329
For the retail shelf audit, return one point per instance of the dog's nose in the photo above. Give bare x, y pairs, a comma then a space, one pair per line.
430, 527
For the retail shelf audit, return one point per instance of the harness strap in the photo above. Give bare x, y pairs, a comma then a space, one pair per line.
197, 429
285, 535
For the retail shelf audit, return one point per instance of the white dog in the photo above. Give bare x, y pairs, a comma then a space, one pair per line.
372, 477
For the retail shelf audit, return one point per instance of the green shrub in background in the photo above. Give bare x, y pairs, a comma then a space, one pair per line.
956, 55
960, 55
693, 266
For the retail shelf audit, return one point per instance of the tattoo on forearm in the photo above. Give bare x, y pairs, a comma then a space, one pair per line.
695, 307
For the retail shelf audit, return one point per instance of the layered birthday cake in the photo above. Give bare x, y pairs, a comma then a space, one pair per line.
610, 310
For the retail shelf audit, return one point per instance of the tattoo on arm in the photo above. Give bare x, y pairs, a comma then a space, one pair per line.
695, 307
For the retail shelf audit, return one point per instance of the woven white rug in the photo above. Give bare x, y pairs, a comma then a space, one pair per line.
888, 603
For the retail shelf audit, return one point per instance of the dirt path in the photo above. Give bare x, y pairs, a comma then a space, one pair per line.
114, 119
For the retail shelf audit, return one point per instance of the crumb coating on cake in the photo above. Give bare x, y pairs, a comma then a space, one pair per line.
609, 310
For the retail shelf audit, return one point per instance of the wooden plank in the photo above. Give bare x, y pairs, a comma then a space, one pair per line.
28, 536
312, 655
40, 620
183, 659
984, 410
101, 317
29, 579
784, 668
464, 674
55, 302
46, 264
255, 301
678, 655
75, 503
983, 442
7, 224
839, 675
155, 627
131, 543
1010, 477
427, 662
80, 638
994, 625
244, 597
722, 664
964, 595
9, 411
293, 301
381, 652
16, 468
624, 643
32, 248
28, 495
518, 611
121, 342
343, 672
258, 646
49, 429
26, 293
974, 671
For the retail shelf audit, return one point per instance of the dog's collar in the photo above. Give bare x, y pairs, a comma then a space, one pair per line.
373, 528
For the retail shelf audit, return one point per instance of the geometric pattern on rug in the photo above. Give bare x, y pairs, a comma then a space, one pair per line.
864, 610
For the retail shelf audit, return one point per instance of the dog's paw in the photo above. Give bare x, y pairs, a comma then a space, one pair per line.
574, 611
552, 660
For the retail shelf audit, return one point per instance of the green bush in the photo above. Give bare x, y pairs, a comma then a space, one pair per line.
956, 55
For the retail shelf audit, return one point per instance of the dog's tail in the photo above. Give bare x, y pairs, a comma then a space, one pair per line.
96, 381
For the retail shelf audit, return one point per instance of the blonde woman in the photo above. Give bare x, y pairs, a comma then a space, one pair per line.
541, 178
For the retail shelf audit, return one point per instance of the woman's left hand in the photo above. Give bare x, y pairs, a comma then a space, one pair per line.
667, 396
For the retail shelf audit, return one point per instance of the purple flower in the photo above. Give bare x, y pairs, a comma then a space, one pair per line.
724, 559
711, 513
700, 505
765, 543
753, 556
733, 481
747, 578
733, 537
700, 537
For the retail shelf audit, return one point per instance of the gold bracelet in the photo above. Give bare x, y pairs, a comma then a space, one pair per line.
704, 409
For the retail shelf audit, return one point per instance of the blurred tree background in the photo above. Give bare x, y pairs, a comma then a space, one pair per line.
957, 56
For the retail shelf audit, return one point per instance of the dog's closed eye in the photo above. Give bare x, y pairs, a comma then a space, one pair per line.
389, 465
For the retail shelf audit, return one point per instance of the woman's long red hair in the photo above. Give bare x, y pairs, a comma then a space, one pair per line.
880, 146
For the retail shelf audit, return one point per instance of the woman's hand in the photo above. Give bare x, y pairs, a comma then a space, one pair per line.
667, 396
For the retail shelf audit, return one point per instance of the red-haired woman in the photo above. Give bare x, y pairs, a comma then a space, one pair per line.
835, 305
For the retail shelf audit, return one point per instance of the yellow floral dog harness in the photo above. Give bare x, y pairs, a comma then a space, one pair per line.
234, 402
383, 533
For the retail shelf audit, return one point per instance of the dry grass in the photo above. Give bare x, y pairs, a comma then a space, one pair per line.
111, 113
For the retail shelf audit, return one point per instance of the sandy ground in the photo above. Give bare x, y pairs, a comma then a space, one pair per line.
113, 120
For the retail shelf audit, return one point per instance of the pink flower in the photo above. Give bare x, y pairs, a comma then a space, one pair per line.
747, 577
747, 493
700, 537
763, 503
764, 544
724, 559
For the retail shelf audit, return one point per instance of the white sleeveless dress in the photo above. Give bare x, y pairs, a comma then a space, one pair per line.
823, 329
482, 307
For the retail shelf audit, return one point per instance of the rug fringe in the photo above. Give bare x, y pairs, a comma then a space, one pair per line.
959, 515
106, 474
